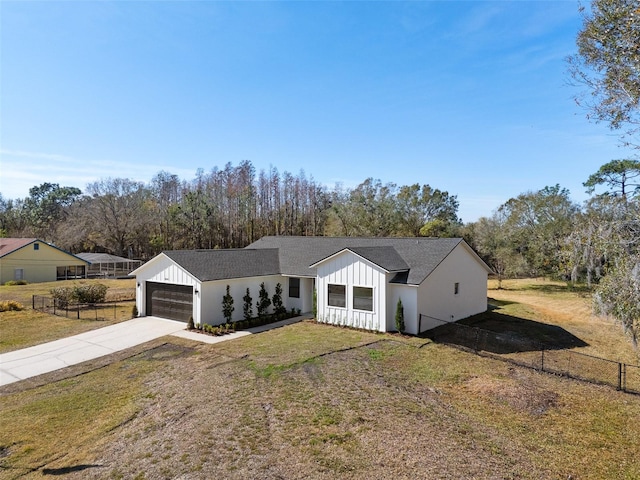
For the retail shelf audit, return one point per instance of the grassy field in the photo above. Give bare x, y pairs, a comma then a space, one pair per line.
24, 328
320, 402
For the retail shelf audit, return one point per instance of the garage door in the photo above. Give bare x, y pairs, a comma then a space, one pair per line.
170, 301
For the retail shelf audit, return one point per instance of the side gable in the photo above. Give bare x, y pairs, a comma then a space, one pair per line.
210, 265
18, 246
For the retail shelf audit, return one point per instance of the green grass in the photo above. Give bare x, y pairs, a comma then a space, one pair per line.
313, 401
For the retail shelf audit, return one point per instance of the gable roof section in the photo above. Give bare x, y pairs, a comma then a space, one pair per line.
209, 265
421, 255
10, 245
385, 257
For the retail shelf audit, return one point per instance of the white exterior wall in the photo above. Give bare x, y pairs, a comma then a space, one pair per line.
436, 295
164, 270
305, 302
212, 293
409, 296
350, 270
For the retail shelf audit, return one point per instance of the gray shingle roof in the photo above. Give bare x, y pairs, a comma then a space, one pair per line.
421, 255
385, 257
208, 265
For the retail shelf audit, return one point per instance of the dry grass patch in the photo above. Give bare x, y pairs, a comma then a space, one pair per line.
556, 303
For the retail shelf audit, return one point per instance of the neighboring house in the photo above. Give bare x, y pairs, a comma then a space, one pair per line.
358, 280
36, 261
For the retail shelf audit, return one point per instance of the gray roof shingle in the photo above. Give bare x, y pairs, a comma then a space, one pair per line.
421, 255
208, 265
385, 257
412, 259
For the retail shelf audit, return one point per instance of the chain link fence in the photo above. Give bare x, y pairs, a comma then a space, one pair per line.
512, 347
81, 311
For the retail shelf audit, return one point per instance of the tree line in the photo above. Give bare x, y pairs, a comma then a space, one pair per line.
224, 208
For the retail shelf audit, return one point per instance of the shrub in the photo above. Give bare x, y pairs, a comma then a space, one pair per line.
62, 296
247, 308
134, 311
399, 316
276, 300
10, 305
227, 306
190, 325
94, 293
315, 303
11, 283
264, 302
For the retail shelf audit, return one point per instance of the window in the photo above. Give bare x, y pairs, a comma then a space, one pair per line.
294, 288
456, 288
337, 295
18, 274
363, 298
36, 246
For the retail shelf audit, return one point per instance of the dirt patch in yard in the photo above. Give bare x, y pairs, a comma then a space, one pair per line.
342, 415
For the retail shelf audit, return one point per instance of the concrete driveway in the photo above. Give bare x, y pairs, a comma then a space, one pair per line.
47, 357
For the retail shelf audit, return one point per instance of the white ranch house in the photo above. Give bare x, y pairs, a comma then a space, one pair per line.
358, 280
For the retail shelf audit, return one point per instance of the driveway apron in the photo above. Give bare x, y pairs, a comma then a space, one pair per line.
47, 357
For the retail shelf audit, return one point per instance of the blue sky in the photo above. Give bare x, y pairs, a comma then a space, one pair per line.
469, 97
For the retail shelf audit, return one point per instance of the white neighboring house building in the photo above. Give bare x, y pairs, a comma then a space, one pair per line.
358, 281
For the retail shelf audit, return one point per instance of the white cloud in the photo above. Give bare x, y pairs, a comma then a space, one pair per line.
22, 170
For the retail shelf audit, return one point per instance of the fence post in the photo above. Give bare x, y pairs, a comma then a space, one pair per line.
542, 359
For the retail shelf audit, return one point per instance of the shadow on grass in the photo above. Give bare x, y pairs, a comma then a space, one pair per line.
67, 470
503, 334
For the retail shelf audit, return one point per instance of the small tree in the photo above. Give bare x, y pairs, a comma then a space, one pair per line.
263, 302
399, 316
315, 303
278, 307
227, 306
247, 308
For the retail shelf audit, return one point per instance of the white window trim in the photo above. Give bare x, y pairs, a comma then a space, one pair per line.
346, 295
373, 298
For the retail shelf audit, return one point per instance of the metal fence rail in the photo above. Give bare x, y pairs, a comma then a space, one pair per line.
511, 347
80, 311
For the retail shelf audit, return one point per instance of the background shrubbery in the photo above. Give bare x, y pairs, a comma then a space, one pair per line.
65, 296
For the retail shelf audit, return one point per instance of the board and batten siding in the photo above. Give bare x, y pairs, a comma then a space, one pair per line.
164, 270
347, 268
437, 300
